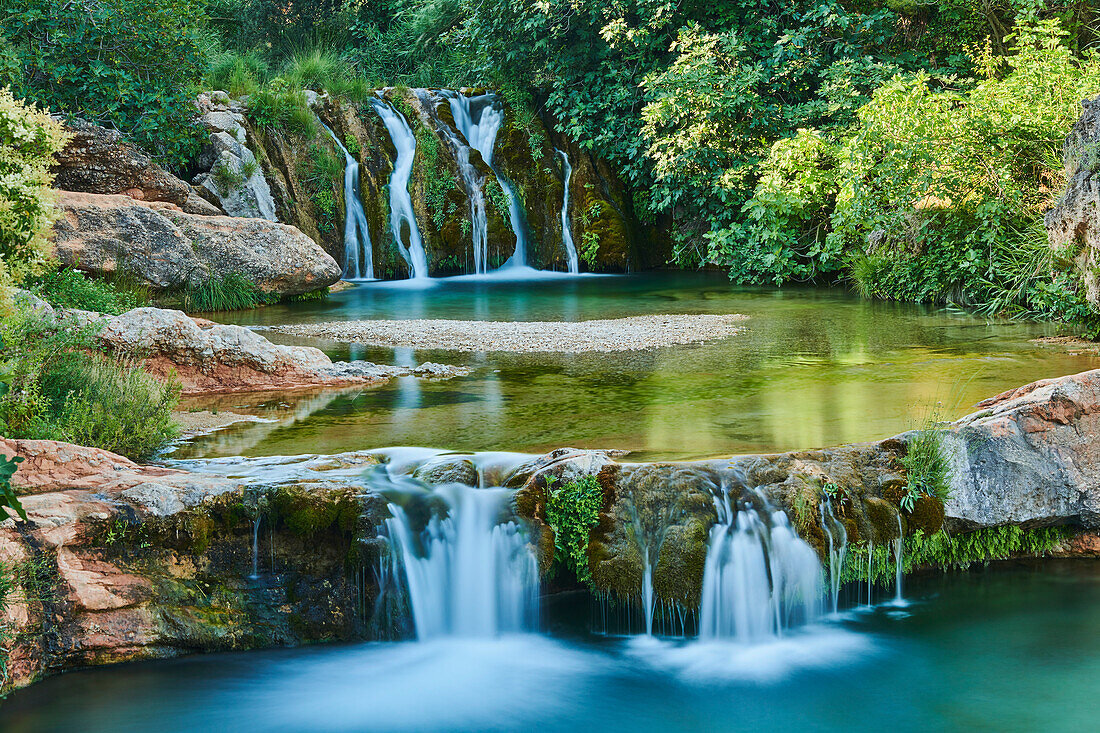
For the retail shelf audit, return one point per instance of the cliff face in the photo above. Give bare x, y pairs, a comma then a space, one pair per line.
527, 160
1074, 224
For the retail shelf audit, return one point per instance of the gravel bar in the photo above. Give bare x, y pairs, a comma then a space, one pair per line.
636, 333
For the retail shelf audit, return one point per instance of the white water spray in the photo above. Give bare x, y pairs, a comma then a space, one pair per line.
566, 231
479, 119
758, 579
469, 573
358, 257
401, 206
838, 548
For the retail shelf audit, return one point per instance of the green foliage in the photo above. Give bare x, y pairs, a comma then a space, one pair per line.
227, 177
8, 499
927, 470
28, 141
68, 288
32, 581
572, 511
60, 387
432, 174
239, 74
942, 189
133, 65
280, 108
229, 293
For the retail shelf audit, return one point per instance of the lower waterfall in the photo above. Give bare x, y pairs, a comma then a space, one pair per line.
759, 578
401, 207
566, 231
358, 257
470, 571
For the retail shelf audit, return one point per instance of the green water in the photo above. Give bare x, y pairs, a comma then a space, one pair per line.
1009, 649
813, 368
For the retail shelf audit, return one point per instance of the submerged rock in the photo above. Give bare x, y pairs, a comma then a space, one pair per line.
168, 249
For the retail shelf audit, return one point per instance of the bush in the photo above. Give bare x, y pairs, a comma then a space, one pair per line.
28, 141
230, 293
133, 65
67, 288
943, 189
61, 387
572, 511
238, 74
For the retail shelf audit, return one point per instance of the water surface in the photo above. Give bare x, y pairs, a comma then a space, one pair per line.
1005, 649
814, 368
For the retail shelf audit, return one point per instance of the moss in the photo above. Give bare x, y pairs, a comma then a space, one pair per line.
679, 575
927, 515
308, 513
883, 518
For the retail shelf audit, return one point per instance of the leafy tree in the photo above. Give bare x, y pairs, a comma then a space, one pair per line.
129, 64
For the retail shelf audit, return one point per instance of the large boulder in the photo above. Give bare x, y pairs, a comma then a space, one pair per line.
1029, 457
98, 160
1074, 224
169, 249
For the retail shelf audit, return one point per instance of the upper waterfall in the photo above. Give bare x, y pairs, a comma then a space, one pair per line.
358, 255
566, 231
479, 119
401, 206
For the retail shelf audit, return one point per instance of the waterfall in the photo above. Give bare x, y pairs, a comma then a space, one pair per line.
467, 573
255, 549
358, 257
566, 231
870, 570
899, 543
838, 548
479, 118
401, 207
759, 577
474, 183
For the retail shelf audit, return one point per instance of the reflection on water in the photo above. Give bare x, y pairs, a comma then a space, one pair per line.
814, 368
1001, 649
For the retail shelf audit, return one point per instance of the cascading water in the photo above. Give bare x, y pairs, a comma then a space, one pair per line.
838, 548
899, 543
467, 573
401, 206
479, 118
759, 577
566, 231
358, 255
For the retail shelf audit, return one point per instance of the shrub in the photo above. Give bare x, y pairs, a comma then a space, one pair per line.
276, 108
67, 288
237, 74
61, 387
230, 293
28, 141
133, 65
573, 510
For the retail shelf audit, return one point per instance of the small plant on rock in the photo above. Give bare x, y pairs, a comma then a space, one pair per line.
573, 510
8, 499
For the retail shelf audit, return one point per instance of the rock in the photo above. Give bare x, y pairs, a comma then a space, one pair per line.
235, 178
196, 204
1074, 224
1030, 457
168, 249
98, 160
448, 470
215, 358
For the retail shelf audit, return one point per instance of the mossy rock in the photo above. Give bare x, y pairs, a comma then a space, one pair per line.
927, 515
883, 517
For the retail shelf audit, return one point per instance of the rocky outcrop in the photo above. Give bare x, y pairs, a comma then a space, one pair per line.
168, 249
234, 178
223, 358
1074, 224
98, 160
1030, 457
151, 563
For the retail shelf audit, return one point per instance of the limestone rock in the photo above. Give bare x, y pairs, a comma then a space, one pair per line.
169, 249
98, 160
234, 176
1030, 457
1075, 222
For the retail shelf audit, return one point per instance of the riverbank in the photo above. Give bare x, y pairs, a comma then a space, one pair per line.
637, 333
